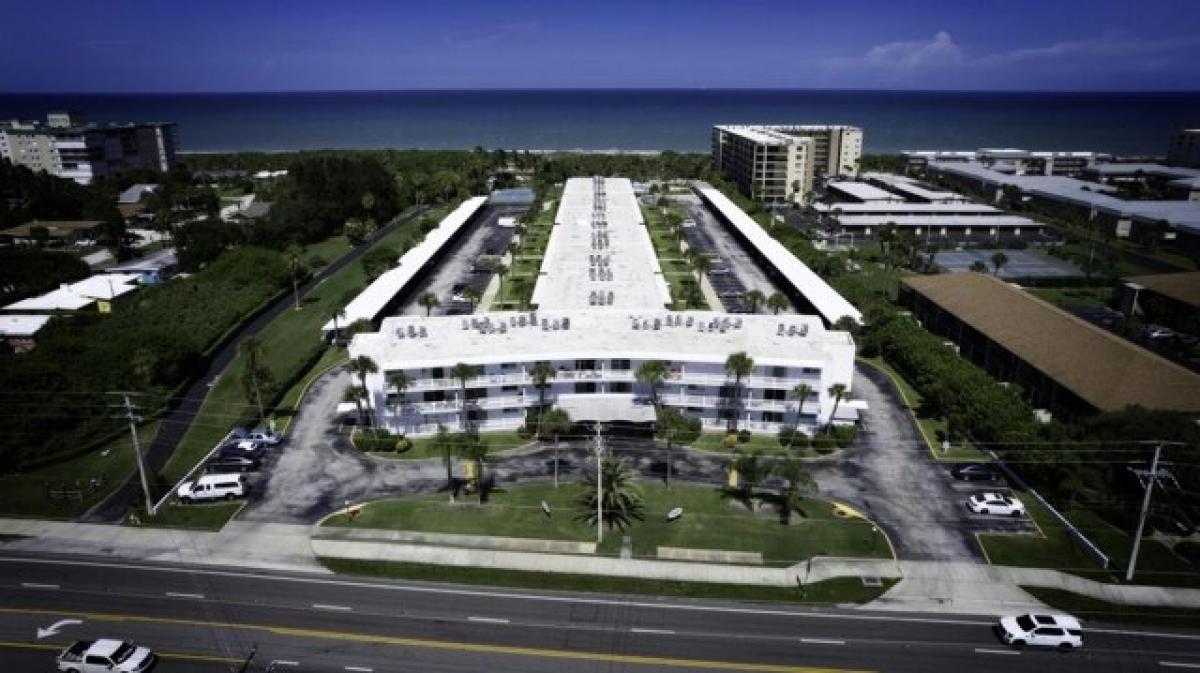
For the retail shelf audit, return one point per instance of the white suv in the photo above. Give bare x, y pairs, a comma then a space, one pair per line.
212, 487
995, 503
1061, 631
263, 437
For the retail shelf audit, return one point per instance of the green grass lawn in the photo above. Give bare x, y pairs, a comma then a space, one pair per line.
285, 409
829, 592
710, 521
1091, 609
212, 516
768, 444
1092, 297
26, 494
292, 345
498, 442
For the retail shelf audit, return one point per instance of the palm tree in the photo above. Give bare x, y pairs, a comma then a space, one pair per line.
501, 272
673, 426
361, 366
652, 373
702, 264
541, 373
553, 424
474, 449
296, 267
801, 393
428, 301
838, 392
464, 372
472, 297
443, 444
255, 374
692, 296
777, 302
754, 298
399, 380
978, 267
738, 365
355, 394
335, 313
751, 470
798, 480
999, 259
622, 503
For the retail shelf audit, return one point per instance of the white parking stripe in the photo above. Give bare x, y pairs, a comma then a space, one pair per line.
36, 585
325, 606
821, 641
359, 669
285, 662
986, 650
487, 620
661, 632
1177, 664
173, 594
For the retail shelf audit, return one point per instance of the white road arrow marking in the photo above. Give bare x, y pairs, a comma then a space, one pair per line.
52, 630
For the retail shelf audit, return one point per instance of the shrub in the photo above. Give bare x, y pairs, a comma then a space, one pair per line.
730, 441
376, 440
316, 262
402, 444
824, 444
743, 435
786, 434
844, 435
525, 432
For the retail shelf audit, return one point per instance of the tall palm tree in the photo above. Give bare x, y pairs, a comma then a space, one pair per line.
444, 445
838, 392
999, 259
464, 372
622, 502
701, 263
335, 314
255, 374
355, 394
673, 426
361, 366
798, 481
428, 301
296, 267
555, 423
474, 449
398, 380
541, 372
472, 297
692, 296
777, 302
754, 298
800, 393
738, 365
751, 469
501, 272
652, 373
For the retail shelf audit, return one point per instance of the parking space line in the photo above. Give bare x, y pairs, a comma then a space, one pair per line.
659, 632
37, 585
988, 650
325, 606
173, 594
821, 641
1177, 664
285, 662
487, 620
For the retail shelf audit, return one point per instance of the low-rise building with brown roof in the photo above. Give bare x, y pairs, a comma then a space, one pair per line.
1062, 363
1170, 299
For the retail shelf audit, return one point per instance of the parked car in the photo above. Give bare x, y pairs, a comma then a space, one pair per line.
238, 450
975, 472
104, 656
249, 445
229, 464
264, 437
1061, 631
238, 433
995, 503
212, 487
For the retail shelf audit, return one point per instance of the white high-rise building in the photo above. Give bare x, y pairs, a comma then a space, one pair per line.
601, 309
780, 163
69, 147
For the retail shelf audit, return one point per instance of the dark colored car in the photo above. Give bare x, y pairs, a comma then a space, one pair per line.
975, 472
227, 464
233, 451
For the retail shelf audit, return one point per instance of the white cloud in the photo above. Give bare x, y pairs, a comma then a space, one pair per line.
937, 52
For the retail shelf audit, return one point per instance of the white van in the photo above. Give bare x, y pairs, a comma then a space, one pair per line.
212, 487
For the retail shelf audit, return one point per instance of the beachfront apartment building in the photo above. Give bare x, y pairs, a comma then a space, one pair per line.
1185, 149
1012, 161
779, 164
600, 309
69, 147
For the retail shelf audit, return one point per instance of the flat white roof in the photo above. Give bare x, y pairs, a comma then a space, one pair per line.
806, 282
61, 299
909, 208
574, 271
106, 285
937, 221
22, 325
372, 300
913, 188
135, 192
693, 336
862, 191
153, 262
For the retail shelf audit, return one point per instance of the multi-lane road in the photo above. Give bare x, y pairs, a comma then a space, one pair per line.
210, 619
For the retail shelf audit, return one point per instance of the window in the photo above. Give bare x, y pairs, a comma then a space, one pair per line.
97, 661
811, 371
772, 417
774, 394
437, 373
585, 387
619, 365
510, 389
620, 387
585, 364
476, 393
434, 396
779, 372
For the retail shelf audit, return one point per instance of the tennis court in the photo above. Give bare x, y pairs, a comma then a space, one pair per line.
1021, 263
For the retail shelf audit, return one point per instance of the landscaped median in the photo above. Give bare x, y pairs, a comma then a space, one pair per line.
718, 541
391, 446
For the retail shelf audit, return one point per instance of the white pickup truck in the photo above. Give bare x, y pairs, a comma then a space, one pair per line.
105, 655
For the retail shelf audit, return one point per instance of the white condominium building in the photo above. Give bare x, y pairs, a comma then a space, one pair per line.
600, 311
780, 163
69, 147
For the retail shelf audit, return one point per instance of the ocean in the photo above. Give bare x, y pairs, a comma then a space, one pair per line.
642, 120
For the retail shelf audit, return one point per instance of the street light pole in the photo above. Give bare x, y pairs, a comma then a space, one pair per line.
599, 486
1137, 538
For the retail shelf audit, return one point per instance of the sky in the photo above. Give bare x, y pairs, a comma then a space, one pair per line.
301, 45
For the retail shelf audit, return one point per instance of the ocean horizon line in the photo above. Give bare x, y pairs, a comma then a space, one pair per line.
260, 92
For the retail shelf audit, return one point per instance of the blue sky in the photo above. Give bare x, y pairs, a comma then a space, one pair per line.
214, 45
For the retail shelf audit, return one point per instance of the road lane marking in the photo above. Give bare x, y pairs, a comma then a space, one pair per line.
337, 608
821, 641
442, 645
36, 585
173, 594
165, 655
658, 632
988, 650
1177, 664
487, 620
359, 669
284, 662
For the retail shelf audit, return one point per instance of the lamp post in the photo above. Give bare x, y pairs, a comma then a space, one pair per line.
599, 485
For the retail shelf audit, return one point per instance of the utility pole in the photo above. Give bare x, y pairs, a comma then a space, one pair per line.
137, 452
1151, 479
599, 485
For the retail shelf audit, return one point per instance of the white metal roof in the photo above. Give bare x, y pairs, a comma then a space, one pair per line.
695, 336
61, 299
372, 300
912, 188
135, 193
863, 191
806, 282
908, 208
153, 262
936, 221
22, 325
106, 285
573, 271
